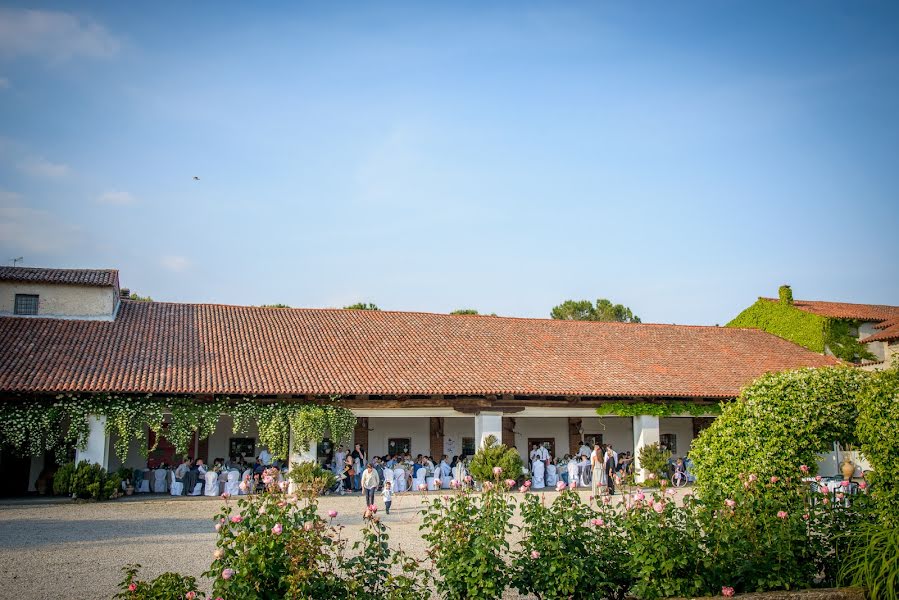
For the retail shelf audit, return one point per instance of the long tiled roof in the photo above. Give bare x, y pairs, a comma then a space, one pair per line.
846, 310
212, 349
90, 277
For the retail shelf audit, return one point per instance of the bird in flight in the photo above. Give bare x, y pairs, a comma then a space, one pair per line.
196, 178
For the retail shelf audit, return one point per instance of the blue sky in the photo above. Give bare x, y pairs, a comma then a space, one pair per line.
680, 158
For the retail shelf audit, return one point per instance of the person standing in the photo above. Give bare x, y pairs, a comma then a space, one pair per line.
359, 462
370, 482
596, 458
610, 465
265, 457
388, 496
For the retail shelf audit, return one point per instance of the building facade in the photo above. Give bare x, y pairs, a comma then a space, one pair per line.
425, 383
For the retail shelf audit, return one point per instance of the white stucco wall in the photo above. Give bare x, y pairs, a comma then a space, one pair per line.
61, 300
876, 348
682, 427
454, 429
618, 431
418, 429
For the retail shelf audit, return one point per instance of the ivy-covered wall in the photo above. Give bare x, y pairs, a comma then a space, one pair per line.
806, 329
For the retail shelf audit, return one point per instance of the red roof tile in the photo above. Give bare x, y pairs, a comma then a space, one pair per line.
889, 330
845, 310
160, 347
90, 277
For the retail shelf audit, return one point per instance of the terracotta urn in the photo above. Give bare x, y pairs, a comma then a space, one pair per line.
847, 468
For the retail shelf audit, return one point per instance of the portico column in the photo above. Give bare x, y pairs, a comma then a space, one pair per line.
646, 433
297, 455
487, 423
97, 448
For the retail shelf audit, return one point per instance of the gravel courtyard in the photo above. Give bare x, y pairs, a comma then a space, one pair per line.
57, 549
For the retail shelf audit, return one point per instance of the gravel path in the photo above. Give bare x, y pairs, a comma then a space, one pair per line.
57, 549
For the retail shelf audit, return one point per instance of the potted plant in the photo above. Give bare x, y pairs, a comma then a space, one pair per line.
126, 474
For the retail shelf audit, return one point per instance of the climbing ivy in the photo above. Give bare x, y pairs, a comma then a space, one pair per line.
657, 409
809, 330
34, 426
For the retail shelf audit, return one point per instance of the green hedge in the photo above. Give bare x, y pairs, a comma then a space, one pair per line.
786, 321
878, 415
780, 421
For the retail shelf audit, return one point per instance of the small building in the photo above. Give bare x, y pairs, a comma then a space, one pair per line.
864, 334
418, 382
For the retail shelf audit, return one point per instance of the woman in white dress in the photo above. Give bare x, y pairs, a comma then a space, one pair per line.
552, 474
573, 471
537, 481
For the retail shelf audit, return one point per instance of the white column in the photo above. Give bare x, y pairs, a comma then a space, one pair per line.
97, 448
297, 455
646, 432
487, 423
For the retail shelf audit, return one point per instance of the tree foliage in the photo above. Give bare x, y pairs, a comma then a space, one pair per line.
584, 310
494, 454
362, 306
779, 421
464, 311
878, 414
279, 305
134, 296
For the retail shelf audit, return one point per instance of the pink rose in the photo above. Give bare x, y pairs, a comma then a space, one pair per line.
243, 486
487, 486
307, 526
774, 479
805, 516
560, 487
862, 485
268, 480
752, 477
606, 500
745, 485
727, 591
658, 507
840, 496
730, 503
468, 479
804, 468
283, 485
373, 508
227, 574
132, 587
218, 526
845, 484
597, 522
218, 554
535, 555
510, 483
671, 491
639, 496
225, 496
236, 519
527, 483
781, 514
523, 489
572, 485
422, 487
332, 514
190, 595
277, 529
454, 484
497, 471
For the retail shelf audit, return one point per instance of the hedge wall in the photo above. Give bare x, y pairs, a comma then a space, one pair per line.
786, 321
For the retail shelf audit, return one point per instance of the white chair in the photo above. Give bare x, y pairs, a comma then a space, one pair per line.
399, 479
431, 482
212, 483
552, 475
420, 478
445, 482
159, 484
573, 473
177, 488
537, 481
144, 486
232, 485
387, 477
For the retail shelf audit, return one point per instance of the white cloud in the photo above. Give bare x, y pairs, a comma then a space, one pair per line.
117, 198
25, 230
177, 264
41, 167
53, 35
4, 83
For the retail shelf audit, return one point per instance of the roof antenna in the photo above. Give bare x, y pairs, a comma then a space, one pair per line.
15, 261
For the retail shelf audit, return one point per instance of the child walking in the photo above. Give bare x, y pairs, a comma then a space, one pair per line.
387, 492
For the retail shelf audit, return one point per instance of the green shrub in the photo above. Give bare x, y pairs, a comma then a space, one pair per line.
580, 552
654, 460
492, 454
62, 479
878, 414
779, 421
91, 481
468, 536
168, 586
873, 560
310, 479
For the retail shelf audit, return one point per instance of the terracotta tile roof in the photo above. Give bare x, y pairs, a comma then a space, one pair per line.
846, 310
889, 330
90, 277
172, 348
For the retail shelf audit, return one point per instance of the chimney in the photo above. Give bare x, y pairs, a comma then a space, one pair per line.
785, 294
124, 293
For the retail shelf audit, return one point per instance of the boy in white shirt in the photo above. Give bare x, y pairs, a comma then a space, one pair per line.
387, 492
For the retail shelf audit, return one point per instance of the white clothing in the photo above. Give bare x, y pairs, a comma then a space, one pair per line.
585, 450
265, 458
370, 479
552, 475
544, 453
572, 472
444, 469
537, 476
387, 494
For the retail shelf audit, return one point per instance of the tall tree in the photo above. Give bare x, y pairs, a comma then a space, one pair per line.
362, 306
464, 311
584, 310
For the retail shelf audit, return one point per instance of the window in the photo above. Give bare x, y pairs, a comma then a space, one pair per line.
669, 440
399, 446
242, 448
468, 446
26, 304
593, 439
548, 443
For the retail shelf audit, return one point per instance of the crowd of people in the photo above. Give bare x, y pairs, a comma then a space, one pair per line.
597, 468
